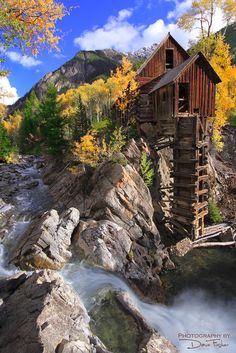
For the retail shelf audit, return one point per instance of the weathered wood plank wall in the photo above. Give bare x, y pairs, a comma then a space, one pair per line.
156, 65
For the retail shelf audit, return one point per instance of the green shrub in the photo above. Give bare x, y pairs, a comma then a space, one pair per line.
100, 125
147, 170
130, 255
233, 120
5, 144
120, 160
215, 215
117, 140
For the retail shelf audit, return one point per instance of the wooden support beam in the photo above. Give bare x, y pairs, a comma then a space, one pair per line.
202, 192
184, 175
203, 178
184, 186
214, 244
202, 167
185, 161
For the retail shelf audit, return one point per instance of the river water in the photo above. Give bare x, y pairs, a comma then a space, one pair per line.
195, 320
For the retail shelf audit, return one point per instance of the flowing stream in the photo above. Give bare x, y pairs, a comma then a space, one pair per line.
195, 320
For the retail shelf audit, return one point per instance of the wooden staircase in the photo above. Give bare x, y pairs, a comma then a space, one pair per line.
190, 179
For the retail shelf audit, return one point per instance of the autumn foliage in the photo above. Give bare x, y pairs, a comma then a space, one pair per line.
100, 96
30, 23
201, 15
221, 61
12, 125
88, 150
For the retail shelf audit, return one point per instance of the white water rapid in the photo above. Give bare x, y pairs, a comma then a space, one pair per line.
186, 323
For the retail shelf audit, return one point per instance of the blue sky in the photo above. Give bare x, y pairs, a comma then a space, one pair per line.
124, 25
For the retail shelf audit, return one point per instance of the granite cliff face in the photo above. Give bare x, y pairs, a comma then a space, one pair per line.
85, 66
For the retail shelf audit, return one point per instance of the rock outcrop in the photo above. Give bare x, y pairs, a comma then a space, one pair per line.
40, 314
46, 243
119, 194
222, 167
113, 192
120, 234
117, 231
110, 246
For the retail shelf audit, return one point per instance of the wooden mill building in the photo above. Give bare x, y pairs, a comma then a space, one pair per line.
176, 97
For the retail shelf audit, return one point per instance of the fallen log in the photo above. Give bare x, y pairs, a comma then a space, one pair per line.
213, 244
207, 237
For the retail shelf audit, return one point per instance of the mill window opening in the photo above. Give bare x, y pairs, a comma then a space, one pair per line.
169, 59
183, 97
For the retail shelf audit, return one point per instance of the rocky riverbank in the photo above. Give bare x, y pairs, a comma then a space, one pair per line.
107, 216
99, 228
38, 311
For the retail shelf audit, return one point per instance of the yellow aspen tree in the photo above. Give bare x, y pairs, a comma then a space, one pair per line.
87, 150
122, 84
68, 103
201, 15
12, 125
221, 61
30, 23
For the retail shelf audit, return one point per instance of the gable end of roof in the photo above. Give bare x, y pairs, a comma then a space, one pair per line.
156, 50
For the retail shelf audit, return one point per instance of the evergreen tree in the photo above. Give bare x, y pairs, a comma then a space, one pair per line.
29, 129
51, 122
80, 122
5, 144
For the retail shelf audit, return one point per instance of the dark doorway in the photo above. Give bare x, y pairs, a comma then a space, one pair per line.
169, 59
183, 98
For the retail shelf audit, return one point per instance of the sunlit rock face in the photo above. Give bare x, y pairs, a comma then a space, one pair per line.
41, 314
46, 243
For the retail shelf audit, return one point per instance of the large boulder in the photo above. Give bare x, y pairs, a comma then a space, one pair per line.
107, 244
112, 192
119, 194
40, 314
116, 231
46, 243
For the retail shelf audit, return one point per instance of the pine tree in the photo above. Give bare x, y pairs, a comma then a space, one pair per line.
5, 144
52, 124
79, 123
29, 129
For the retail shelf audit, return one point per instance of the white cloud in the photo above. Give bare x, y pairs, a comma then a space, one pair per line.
120, 34
24, 60
218, 21
8, 94
123, 14
182, 6
117, 33
59, 56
